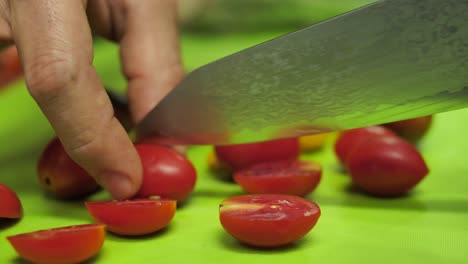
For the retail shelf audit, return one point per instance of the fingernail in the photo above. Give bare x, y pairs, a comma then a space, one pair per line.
119, 186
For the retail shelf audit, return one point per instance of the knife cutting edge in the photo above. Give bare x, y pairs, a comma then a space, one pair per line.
388, 61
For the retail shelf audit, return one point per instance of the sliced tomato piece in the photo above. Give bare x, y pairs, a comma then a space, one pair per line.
411, 129
70, 244
133, 217
280, 177
10, 204
242, 155
386, 166
268, 220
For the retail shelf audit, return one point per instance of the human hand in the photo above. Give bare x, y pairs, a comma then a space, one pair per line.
54, 41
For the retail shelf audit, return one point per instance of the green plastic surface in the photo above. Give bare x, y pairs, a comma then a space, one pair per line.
430, 225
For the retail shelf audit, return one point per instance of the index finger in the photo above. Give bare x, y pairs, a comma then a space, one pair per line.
55, 45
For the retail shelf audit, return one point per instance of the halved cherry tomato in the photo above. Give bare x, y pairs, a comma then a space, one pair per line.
268, 220
313, 142
240, 156
411, 129
166, 173
280, 177
70, 244
10, 66
133, 217
60, 175
10, 204
386, 166
348, 139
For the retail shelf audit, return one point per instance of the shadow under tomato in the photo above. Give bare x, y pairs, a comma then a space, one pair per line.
155, 235
6, 223
232, 244
94, 259
71, 208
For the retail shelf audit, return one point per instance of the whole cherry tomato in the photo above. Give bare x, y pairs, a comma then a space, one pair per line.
166, 173
348, 139
268, 220
386, 166
411, 129
61, 176
280, 177
242, 155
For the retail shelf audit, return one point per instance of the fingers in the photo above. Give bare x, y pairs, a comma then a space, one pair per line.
150, 53
55, 46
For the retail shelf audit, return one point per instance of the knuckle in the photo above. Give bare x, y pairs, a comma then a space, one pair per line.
50, 73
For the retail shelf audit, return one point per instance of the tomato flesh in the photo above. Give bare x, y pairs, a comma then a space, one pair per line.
386, 166
242, 155
71, 244
10, 204
281, 177
166, 173
62, 177
133, 217
268, 220
349, 139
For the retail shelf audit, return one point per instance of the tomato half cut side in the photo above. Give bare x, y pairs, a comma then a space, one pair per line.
133, 217
281, 177
70, 244
10, 204
268, 220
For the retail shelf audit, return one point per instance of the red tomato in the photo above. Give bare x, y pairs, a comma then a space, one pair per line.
10, 66
71, 244
386, 166
60, 175
268, 220
135, 217
348, 139
10, 205
240, 156
281, 177
411, 129
166, 173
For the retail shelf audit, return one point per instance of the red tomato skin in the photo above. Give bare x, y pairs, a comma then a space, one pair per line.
243, 155
411, 129
72, 244
386, 166
166, 173
349, 139
268, 220
10, 66
10, 204
281, 177
62, 177
133, 217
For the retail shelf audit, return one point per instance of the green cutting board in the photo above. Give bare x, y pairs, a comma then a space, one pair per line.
430, 225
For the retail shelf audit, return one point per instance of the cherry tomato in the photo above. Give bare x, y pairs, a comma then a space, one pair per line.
386, 166
240, 156
61, 176
348, 139
133, 217
268, 220
313, 142
280, 177
10, 66
10, 205
71, 244
411, 129
166, 173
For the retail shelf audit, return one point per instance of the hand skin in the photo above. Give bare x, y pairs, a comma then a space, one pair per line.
54, 41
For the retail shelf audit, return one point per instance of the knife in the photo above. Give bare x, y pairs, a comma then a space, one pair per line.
388, 61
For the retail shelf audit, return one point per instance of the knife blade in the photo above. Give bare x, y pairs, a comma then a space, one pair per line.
387, 61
